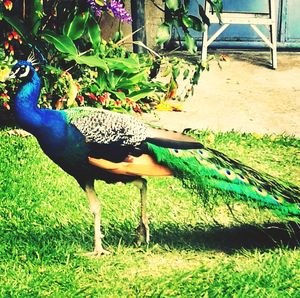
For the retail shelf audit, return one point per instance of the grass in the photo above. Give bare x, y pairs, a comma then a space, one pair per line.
45, 224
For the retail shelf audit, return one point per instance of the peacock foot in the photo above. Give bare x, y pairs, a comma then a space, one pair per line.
142, 234
98, 252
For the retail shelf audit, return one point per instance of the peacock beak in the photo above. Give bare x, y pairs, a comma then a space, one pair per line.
11, 75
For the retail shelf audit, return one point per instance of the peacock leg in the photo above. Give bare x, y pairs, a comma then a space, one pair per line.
96, 210
142, 231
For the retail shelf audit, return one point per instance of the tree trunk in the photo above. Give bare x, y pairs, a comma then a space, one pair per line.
138, 22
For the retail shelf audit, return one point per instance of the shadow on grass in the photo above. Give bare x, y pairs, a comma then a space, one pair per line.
69, 238
230, 239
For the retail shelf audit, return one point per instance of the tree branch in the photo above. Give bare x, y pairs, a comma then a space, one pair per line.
157, 6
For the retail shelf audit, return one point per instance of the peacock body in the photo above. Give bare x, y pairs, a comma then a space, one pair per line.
69, 137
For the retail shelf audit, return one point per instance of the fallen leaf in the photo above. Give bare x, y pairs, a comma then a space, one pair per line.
171, 107
224, 58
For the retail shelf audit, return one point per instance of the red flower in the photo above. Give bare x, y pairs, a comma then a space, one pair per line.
80, 98
118, 103
11, 50
92, 96
77, 86
6, 106
101, 99
6, 45
104, 98
137, 108
10, 36
172, 93
106, 95
129, 101
15, 35
59, 104
4, 96
8, 4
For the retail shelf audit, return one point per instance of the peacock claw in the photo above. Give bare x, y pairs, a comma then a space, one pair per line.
142, 234
96, 253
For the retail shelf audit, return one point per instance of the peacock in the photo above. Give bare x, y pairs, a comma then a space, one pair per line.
95, 144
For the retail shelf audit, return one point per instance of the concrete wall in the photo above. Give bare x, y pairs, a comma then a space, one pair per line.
153, 18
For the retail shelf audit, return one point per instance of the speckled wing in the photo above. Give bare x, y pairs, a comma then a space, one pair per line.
105, 127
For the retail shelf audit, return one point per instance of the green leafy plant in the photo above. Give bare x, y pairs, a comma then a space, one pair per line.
85, 69
5, 65
179, 17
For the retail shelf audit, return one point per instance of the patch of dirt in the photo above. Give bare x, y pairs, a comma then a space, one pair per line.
244, 95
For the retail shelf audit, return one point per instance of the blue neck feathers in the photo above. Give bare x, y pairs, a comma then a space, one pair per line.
28, 115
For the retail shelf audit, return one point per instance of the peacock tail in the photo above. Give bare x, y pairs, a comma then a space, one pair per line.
204, 170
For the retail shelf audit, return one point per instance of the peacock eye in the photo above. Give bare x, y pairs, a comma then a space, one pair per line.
23, 71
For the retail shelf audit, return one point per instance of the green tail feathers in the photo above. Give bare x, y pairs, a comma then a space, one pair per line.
203, 170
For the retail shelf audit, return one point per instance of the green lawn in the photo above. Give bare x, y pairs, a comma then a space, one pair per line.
45, 225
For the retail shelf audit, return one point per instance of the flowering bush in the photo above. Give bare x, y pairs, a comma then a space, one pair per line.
5, 63
114, 7
98, 73
66, 92
85, 69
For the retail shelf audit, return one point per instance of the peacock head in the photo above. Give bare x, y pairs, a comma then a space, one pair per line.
22, 70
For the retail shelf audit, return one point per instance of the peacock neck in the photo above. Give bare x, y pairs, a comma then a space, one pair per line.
28, 115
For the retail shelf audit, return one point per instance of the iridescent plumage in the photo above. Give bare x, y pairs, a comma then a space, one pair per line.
70, 137
205, 169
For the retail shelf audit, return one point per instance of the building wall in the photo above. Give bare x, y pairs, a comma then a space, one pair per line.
288, 29
110, 25
153, 18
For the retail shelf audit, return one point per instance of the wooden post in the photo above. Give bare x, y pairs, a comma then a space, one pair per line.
138, 22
